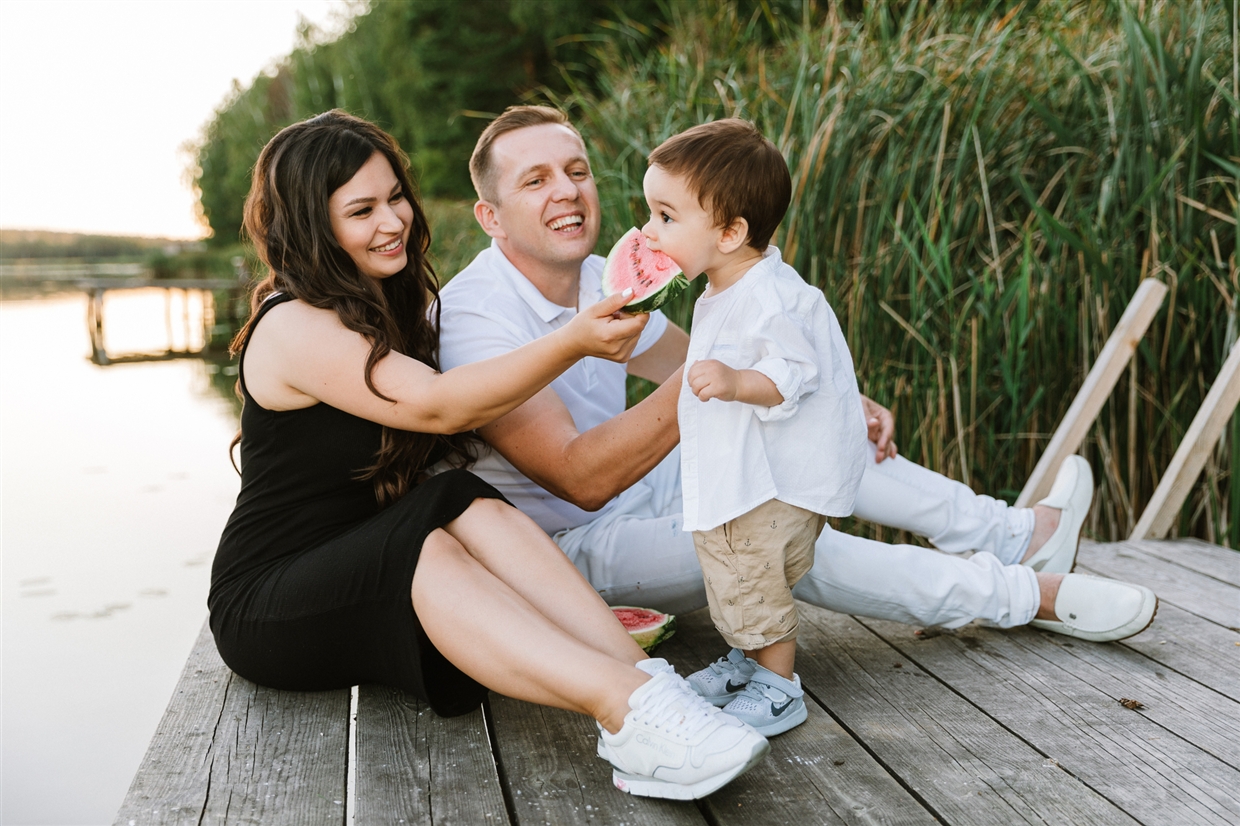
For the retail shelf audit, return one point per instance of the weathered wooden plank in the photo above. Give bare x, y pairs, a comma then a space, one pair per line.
1190, 457
1197, 648
172, 782
1180, 704
416, 767
1095, 389
1196, 593
816, 773
1034, 688
549, 763
962, 764
228, 751
1212, 560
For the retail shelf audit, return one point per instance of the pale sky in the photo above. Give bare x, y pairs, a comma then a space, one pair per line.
97, 98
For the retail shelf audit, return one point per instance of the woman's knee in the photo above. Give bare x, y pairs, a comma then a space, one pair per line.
440, 557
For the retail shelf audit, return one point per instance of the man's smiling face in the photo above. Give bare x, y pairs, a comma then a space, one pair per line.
548, 210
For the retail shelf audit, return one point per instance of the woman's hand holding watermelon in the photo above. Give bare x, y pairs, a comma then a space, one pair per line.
604, 330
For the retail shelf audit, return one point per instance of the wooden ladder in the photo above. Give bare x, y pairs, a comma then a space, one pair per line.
1190, 457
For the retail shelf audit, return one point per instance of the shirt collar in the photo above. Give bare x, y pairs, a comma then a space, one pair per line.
544, 308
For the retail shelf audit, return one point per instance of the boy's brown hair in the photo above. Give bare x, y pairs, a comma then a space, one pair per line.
481, 170
736, 173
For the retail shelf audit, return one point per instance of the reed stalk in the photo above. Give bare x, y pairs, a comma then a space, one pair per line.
983, 190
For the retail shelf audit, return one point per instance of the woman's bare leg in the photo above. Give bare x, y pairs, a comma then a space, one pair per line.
492, 633
513, 548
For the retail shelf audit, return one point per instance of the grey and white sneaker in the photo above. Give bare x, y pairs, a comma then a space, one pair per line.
770, 703
675, 745
722, 681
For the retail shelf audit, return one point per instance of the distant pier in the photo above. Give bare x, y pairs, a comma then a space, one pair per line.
97, 279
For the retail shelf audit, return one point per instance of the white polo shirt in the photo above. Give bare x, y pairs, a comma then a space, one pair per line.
809, 451
489, 309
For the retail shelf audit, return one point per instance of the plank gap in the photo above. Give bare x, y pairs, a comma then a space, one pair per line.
505, 786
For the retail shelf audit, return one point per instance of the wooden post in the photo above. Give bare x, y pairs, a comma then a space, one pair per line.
1200, 438
1095, 390
94, 327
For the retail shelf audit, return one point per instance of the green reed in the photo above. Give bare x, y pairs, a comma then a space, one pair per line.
979, 195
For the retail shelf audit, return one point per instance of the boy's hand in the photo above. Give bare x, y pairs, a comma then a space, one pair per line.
711, 379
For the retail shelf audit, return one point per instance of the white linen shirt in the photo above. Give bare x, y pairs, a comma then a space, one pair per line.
809, 451
489, 309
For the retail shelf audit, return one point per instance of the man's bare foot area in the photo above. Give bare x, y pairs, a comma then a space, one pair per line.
1045, 521
1048, 587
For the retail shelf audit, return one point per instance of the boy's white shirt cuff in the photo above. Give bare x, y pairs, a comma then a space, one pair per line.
788, 380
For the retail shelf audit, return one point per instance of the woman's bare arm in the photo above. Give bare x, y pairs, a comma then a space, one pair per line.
301, 355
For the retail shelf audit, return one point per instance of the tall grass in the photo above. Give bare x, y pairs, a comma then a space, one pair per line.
979, 195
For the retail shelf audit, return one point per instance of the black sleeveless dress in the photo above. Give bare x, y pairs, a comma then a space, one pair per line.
310, 584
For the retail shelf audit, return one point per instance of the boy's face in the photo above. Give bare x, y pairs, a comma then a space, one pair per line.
678, 224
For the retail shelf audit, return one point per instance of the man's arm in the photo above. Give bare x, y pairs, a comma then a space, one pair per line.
663, 358
540, 439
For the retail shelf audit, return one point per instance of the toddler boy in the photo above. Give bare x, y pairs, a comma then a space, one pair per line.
772, 434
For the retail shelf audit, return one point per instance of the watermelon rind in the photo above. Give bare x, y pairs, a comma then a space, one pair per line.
651, 303
651, 636
647, 303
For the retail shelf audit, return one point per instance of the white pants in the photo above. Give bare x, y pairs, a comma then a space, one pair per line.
636, 554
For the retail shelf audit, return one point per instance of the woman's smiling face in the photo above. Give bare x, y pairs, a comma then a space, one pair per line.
371, 218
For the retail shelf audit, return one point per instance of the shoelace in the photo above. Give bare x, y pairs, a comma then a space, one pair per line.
676, 713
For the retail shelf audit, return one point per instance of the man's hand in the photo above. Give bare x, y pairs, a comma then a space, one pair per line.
880, 426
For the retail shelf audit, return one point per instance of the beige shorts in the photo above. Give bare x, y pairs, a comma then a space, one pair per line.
750, 565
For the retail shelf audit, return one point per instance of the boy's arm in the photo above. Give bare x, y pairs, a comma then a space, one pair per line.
711, 379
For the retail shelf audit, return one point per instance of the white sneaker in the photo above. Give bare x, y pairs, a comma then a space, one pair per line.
770, 703
1072, 493
676, 745
652, 666
722, 681
1100, 610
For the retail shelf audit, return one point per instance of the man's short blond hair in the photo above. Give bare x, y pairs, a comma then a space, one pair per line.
481, 170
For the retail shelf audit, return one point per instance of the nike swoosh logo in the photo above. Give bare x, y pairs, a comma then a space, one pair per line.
731, 686
778, 710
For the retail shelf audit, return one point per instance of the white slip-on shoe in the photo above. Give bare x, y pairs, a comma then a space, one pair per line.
1100, 610
770, 703
1071, 494
723, 680
675, 745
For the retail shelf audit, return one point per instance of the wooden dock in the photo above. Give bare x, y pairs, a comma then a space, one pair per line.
977, 726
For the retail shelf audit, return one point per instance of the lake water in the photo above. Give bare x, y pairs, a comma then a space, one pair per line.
114, 486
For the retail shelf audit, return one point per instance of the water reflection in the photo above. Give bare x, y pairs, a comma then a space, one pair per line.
115, 484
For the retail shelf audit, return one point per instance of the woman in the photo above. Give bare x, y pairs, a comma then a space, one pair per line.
342, 563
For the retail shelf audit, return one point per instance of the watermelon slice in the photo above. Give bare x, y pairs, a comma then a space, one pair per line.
653, 275
648, 628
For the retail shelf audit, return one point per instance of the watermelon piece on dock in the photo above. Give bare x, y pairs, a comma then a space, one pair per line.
653, 275
647, 627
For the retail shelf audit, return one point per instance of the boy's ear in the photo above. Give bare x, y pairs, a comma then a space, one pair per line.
485, 215
733, 236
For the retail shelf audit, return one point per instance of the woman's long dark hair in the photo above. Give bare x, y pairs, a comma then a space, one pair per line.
287, 219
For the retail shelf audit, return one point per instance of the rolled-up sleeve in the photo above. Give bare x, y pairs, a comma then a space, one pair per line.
786, 356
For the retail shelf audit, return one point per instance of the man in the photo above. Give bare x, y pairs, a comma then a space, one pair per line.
604, 481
